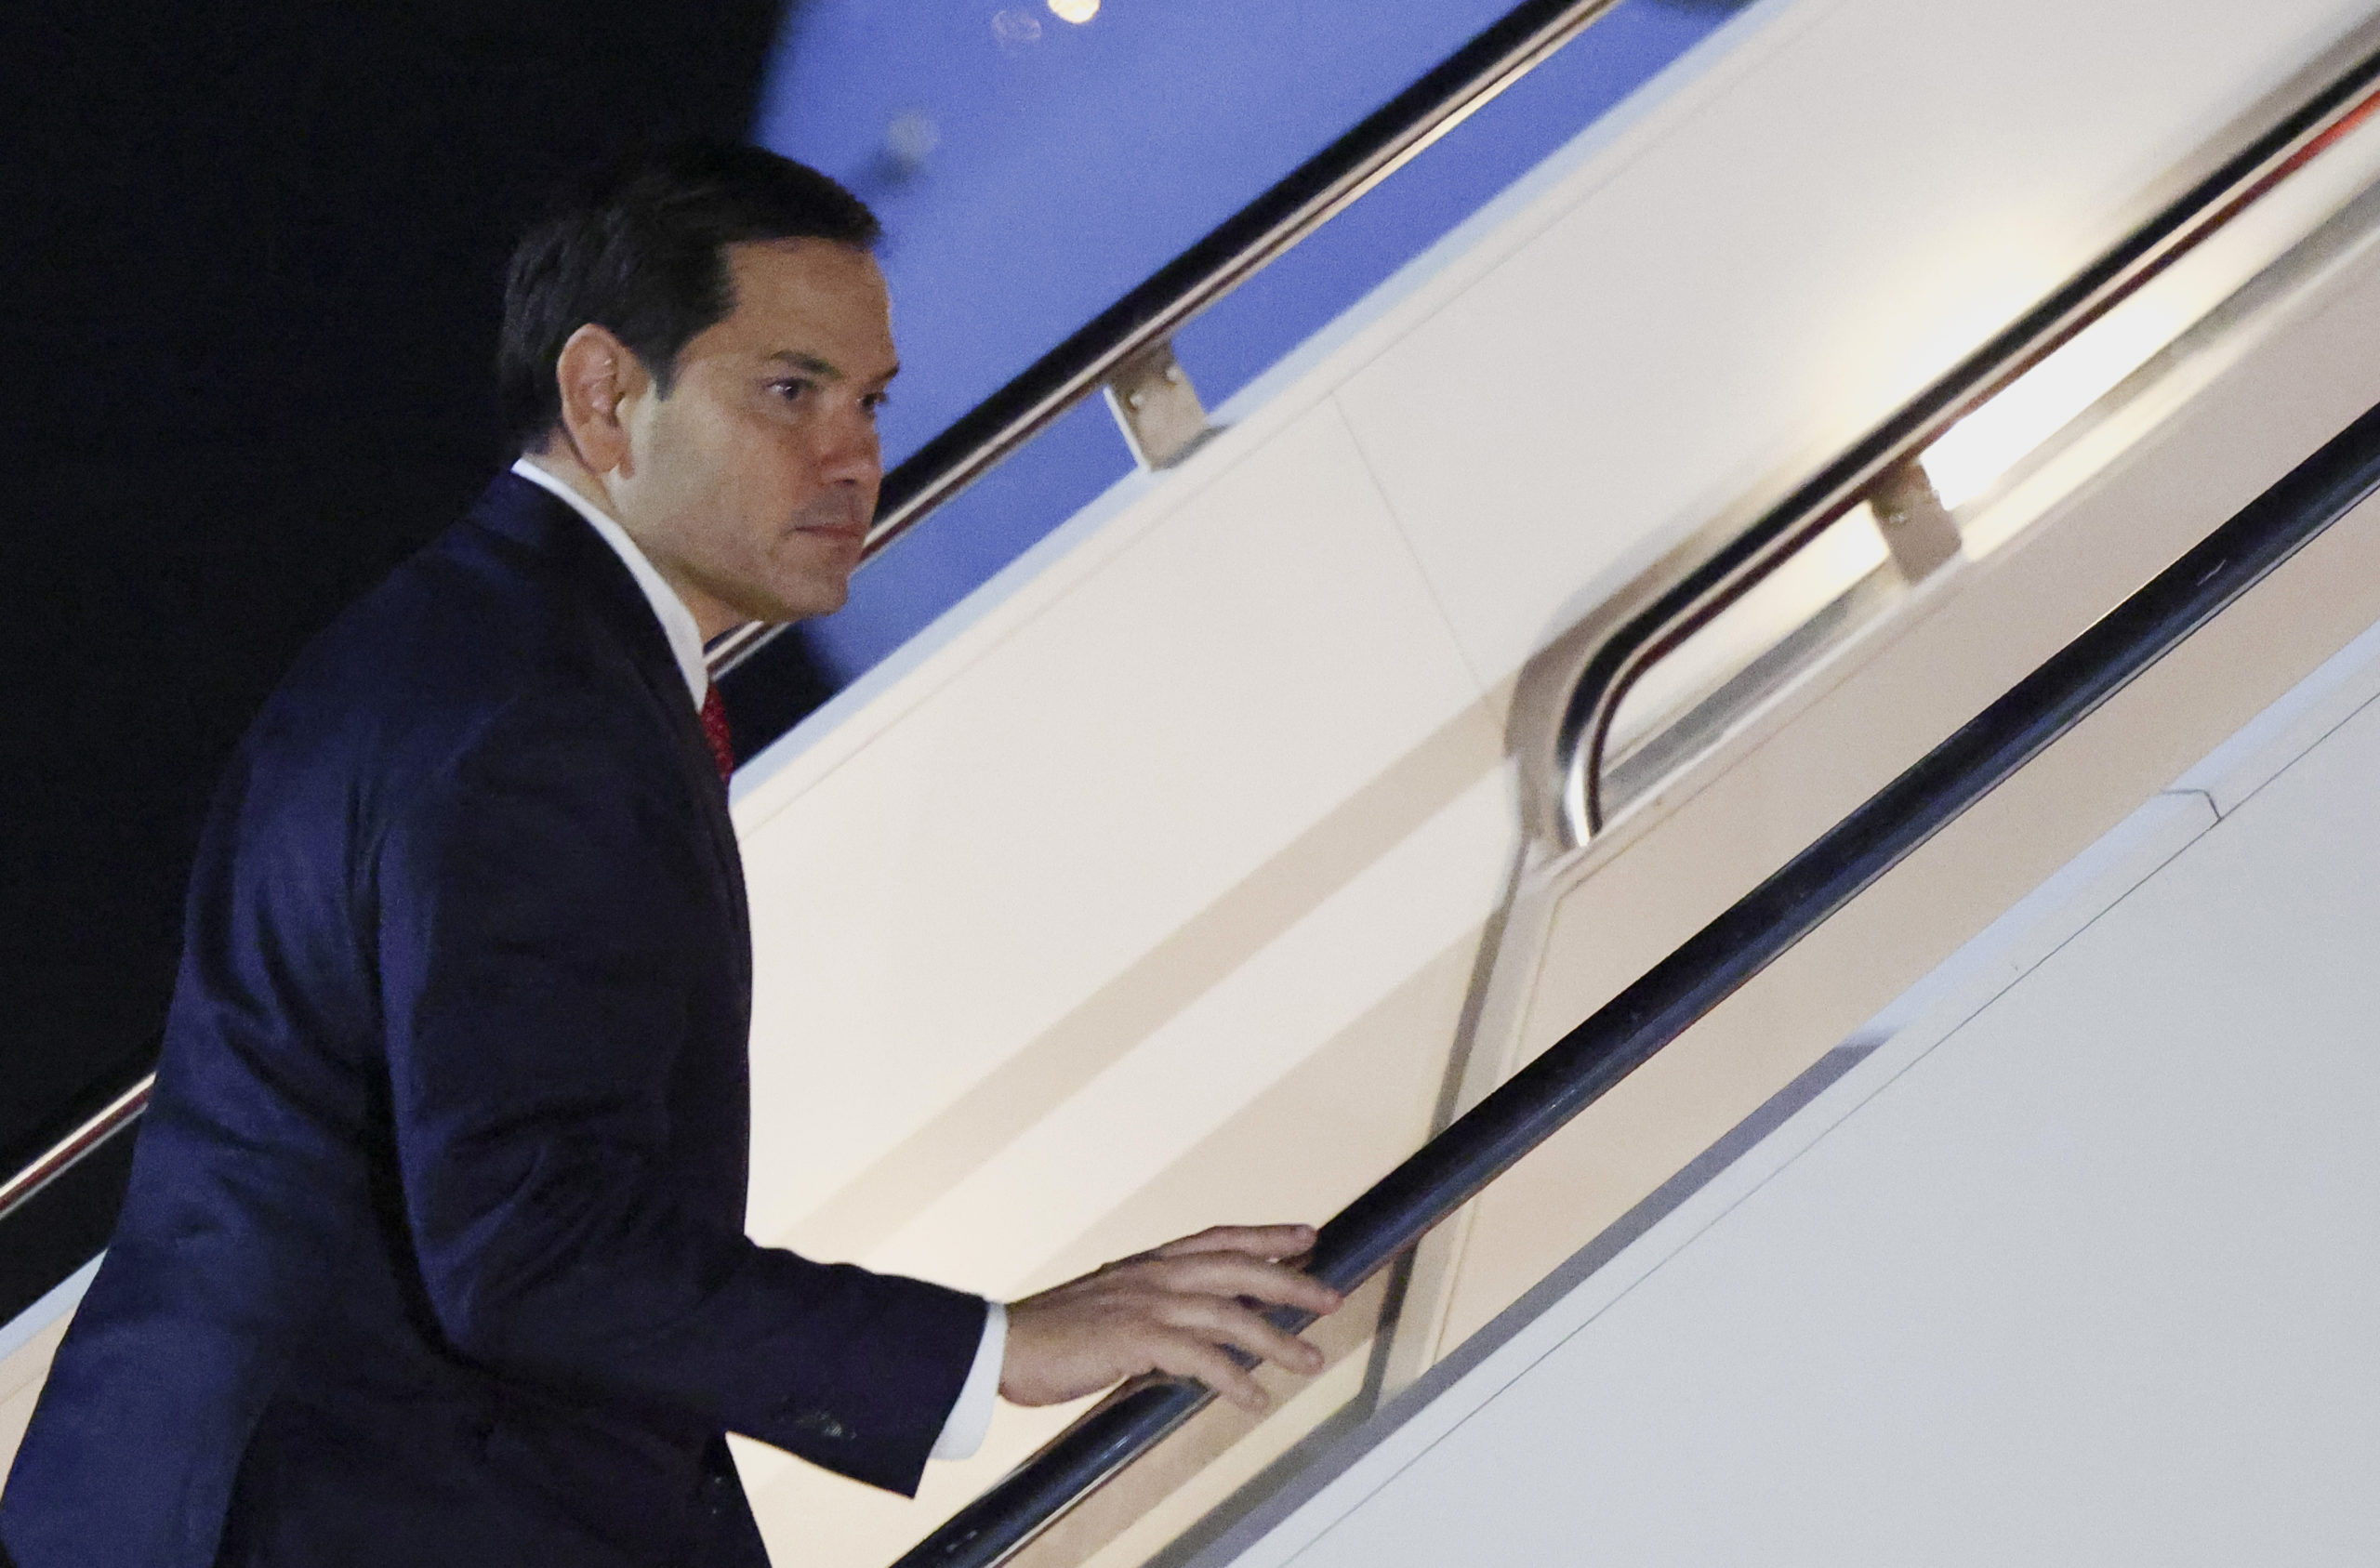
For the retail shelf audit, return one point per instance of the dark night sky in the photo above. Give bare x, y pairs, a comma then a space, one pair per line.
250, 255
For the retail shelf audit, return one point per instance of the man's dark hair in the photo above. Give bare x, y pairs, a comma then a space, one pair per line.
638, 249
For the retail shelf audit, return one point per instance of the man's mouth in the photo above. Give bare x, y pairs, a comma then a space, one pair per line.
841, 530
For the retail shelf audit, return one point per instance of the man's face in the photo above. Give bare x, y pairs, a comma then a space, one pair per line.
753, 481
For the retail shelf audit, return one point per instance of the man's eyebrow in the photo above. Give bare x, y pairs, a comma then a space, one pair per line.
811, 364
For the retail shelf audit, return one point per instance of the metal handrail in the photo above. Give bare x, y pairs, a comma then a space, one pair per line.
62, 1156
1241, 246
1734, 567
1452, 1168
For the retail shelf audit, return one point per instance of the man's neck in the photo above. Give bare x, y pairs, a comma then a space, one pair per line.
558, 461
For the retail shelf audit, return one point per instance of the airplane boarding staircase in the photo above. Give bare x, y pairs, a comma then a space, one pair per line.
1855, 580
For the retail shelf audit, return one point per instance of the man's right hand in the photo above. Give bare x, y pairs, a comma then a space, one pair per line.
1171, 1310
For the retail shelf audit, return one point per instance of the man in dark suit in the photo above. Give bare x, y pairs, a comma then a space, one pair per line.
433, 1251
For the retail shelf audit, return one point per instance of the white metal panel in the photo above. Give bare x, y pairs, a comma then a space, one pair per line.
1202, 1065
1112, 766
2078, 1267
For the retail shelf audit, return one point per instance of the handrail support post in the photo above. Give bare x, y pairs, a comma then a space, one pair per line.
1918, 529
1156, 407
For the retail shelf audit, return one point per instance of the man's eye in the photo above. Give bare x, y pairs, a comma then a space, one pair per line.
874, 400
791, 390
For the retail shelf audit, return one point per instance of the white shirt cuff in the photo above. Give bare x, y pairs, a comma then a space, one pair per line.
963, 1430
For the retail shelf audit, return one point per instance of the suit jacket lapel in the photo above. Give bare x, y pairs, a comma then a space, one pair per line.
531, 516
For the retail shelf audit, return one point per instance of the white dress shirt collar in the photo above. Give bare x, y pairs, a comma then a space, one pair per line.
677, 623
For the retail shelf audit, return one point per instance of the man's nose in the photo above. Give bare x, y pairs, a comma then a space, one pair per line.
852, 454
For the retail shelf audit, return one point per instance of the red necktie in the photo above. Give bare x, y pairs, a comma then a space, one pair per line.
722, 746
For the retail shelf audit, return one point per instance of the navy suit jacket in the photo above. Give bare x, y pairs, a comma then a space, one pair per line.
433, 1252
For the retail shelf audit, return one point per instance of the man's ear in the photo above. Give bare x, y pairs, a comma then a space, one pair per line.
598, 376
